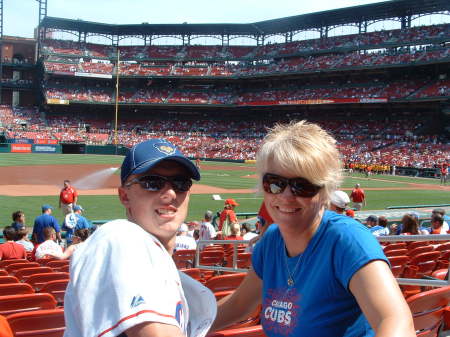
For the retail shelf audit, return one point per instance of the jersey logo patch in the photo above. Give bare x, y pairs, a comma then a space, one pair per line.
137, 300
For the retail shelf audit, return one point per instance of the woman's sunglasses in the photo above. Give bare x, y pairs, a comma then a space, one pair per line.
155, 183
300, 187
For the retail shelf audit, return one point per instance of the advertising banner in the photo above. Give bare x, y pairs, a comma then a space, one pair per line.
318, 101
45, 148
21, 148
57, 101
21, 141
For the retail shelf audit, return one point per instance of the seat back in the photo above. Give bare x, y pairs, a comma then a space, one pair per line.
24, 273
10, 304
37, 281
57, 288
225, 282
443, 247
46, 260
396, 252
420, 250
184, 258
415, 244
395, 246
5, 263
43, 323
8, 279
3, 272
427, 310
57, 263
252, 331
12, 268
15, 289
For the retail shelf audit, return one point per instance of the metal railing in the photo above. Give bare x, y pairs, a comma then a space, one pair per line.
391, 238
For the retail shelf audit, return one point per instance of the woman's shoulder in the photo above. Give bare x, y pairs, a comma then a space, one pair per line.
343, 225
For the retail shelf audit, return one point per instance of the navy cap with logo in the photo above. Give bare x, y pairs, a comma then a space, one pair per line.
143, 156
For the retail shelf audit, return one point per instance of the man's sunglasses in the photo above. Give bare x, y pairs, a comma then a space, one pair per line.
300, 187
155, 183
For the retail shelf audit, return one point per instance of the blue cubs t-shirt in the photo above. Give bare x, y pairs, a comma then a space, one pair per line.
320, 302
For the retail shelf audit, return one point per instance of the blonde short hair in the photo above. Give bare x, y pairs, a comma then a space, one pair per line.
306, 150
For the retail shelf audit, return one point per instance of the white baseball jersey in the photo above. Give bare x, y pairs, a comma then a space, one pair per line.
122, 276
185, 242
48, 247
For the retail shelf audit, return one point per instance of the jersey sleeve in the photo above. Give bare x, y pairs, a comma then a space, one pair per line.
354, 249
119, 283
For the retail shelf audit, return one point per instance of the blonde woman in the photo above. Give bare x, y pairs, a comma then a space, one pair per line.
316, 273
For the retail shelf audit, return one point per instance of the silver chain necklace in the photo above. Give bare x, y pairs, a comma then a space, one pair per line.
290, 280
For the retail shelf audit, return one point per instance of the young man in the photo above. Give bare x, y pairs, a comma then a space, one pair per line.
338, 202
184, 241
49, 246
68, 198
126, 266
207, 230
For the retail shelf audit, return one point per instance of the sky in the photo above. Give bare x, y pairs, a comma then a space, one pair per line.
20, 17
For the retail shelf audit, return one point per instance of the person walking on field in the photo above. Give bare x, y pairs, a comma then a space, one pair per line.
68, 198
358, 197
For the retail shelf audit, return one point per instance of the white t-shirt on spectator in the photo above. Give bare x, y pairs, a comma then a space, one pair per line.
249, 236
207, 232
185, 242
48, 247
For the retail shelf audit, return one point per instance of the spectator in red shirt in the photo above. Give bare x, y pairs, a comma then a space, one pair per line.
358, 197
227, 217
67, 198
11, 250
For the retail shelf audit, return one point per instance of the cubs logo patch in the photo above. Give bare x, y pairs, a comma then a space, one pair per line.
165, 148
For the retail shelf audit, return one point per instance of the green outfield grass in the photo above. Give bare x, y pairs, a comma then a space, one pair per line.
108, 207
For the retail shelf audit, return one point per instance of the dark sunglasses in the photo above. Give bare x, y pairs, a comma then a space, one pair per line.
156, 183
300, 187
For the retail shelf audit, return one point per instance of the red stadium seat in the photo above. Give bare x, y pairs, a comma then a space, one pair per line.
396, 252
428, 310
57, 263
10, 304
57, 289
24, 273
195, 273
5, 263
252, 331
398, 264
225, 282
184, 258
37, 281
8, 279
46, 260
42, 323
415, 244
443, 247
12, 268
420, 250
3, 272
15, 289
395, 246
425, 261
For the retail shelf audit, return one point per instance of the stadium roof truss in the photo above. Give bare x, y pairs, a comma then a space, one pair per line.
363, 16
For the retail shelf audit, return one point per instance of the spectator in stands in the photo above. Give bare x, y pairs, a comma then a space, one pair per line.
409, 225
10, 249
227, 217
49, 246
183, 240
137, 290
446, 218
79, 238
46, 219
437, 224
207, 230
358, 197
338, 201
22, 239
249, 233
18, 218
380, 226
74, 221
67, 198
310, 249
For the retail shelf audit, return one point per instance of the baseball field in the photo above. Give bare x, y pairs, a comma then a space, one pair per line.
28, 181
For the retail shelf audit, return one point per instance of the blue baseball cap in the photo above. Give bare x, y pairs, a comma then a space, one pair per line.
46, 207
78, 208
143, 156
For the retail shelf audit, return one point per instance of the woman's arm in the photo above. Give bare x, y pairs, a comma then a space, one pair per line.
67, 253
240, 304
381, 300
